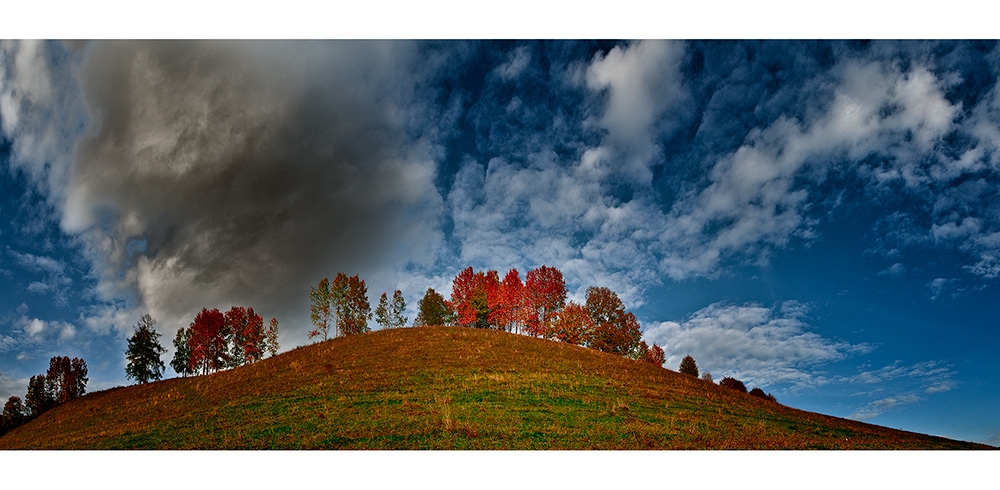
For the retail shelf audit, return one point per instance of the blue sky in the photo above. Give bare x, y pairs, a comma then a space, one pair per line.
819, 219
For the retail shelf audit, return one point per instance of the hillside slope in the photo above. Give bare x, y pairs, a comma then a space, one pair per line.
445, 388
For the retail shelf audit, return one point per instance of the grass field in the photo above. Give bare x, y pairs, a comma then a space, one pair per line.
445, 388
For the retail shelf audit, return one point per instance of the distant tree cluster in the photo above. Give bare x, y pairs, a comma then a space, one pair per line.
389, 314
537, 306
733, 384
738, 385
65, 380
342, 305
653, 355
689, 367
216, 341
759, 393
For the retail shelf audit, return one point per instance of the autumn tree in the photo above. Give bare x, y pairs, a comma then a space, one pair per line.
181, 363
382, 311
688, 366
247, 333
545, 295
271, 337
13, 415
653, 355
396, 309
143, 353
432, 309
508, 312
66, 378
615, 330
759, 393
390, 315
209, 342
321, 308
473, 296
707, 376
350, 304
38, 399
733, 383
572, 325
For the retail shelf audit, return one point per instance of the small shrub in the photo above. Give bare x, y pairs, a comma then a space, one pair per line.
759, 393
734, 384
707, 376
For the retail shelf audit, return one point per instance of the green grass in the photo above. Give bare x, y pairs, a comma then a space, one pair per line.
445, 388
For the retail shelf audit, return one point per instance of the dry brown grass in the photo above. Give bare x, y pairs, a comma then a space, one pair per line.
445, 388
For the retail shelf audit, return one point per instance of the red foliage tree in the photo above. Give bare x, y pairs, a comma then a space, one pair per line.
247, 329
474, 296
615, 330
508, 303
38, 399
66, 378
13, 416
654, 355
572, 325
208, 342
545, 295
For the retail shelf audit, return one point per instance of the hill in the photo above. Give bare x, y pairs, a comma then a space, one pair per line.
445, 388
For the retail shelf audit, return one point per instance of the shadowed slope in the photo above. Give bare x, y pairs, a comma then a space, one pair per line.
445, 388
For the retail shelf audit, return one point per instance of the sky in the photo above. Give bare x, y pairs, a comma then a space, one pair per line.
820, 219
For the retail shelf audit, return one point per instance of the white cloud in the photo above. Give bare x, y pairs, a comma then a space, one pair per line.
759, 197
883, 405
758, 345
12, 387
642, 82
906, 383
35, 83
517, 61
39, 287
34, 327
506, 215
928, 374
56, 280
894, 270
941, 286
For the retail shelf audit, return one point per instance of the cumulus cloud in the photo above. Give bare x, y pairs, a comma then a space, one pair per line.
249, 170
756, 344
642, 82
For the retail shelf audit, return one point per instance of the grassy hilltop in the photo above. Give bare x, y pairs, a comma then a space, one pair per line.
445, 388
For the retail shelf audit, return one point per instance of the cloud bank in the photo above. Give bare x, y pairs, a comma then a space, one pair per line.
759, 345
216, 173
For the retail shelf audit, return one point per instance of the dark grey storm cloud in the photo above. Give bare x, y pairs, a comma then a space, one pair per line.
250, 170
